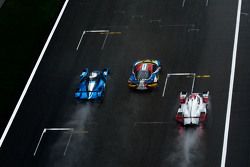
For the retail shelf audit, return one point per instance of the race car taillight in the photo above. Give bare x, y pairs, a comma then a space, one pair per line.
182, 100
203, 117
179, 117
205, 99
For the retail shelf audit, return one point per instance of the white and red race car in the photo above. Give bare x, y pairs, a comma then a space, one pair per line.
193, 108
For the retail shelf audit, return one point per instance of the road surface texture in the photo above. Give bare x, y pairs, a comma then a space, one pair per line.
130, 128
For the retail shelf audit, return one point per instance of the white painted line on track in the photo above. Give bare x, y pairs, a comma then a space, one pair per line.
92, 31
71, 134
107, 34
206, 2
193, 29
59, 129
192, 89
181, 74
51, 129
66, 148
98, 31
44, 131
183, 3
178, 74
244, 13
80, 40
230, 93
155, 20
165, 85
32, 74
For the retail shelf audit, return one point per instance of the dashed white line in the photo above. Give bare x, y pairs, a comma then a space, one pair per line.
155, 20
80, 40
193, 29
60, 129
192, 89
32, 74
244, 13
44, 130
165, 85
93, 31
98, 31
178, 74
183, 3
105, 40
51, 129
230, 93
206, 2
66, 148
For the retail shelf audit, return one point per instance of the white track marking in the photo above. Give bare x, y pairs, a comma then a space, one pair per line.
230, 93
66, 148
244, 13
71, 134
32, 74
50, 129
44, 130
192, 89
183, 3
59, 129
206, 2
98, 31
165, 85
155, 20
105, 40
193, 29
83, 33
92, 31
178, 74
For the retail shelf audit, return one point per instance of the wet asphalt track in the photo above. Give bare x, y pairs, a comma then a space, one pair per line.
133, 129
239, 138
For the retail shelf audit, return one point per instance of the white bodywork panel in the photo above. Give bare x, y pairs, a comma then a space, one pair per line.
141, 85
192, 109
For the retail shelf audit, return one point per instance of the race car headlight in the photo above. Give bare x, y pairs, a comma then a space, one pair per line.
99, 93
132, 85
152, 84
77, 94
133, 82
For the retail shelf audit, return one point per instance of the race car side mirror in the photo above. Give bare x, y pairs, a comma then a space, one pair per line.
182, 97
205, 96
84, 73
106, 71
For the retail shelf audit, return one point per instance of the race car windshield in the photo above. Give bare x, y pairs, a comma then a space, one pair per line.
93, 77
142, 75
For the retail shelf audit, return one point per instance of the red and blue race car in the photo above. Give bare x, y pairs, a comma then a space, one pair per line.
145, 74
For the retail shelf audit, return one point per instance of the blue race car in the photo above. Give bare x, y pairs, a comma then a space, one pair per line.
92, 85
145, 74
